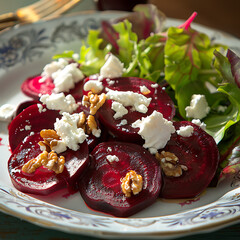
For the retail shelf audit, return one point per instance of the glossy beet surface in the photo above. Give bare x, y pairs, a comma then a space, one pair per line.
33, 119
44, 181
101, 185
33, 86
160, 102
199, 153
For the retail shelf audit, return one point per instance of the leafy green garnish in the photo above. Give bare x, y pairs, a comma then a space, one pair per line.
92, 56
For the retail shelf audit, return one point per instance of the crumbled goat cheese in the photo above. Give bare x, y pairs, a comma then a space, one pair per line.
40, 108
112, 158
60, 147
202, 125
198, 107
221, 109
123, 122
155, 130
65, 79
28, 127
129, 98
144, 90
59, 102
155, 85
119, 109
112, 68
67, 130
94, 86
185, 131
7, 112
53, 67
96, 132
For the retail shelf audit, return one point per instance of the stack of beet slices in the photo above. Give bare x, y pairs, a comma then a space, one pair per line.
99, 168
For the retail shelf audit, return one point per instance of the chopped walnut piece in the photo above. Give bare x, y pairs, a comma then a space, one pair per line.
82, 120
95, 101
132, 183
50, 139
170, 164
48, 160
91, 122
49, 134
88, 124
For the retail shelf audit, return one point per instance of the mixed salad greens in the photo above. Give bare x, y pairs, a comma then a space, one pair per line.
183, 60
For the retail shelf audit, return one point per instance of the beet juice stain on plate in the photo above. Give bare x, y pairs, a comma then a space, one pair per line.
124, 5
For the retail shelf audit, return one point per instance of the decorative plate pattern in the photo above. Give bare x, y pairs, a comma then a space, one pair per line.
23, 52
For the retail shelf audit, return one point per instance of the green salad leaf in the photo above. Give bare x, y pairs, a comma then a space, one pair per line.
92, 56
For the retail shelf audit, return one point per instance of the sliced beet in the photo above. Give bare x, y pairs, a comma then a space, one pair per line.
32, 87
44, 181
199, 153
101, 189
33, 119
25, 105
160, 102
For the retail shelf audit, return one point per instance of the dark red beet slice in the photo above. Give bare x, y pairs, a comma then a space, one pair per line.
32, 87
25, 105
44, 181
101, 189
199, 153
160, 102
32, 119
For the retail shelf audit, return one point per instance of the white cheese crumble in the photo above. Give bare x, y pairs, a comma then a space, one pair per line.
221, 109
94, 86
198, 107
67, 130
112, 68
53, 67
65, 79
144, 90
119, 109
7, 112
40, 108
123, 122
154, 85
112, 158
129, 98
96, 132
58, 101
155, 130
202, 125
185, 131
28, 127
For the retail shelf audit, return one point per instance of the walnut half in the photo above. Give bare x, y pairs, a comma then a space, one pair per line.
170, 164
48, 160
132, 183
95, 101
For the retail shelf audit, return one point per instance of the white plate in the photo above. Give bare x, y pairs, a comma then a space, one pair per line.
23, 52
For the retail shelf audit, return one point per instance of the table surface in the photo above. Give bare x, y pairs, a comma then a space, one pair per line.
14, 228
